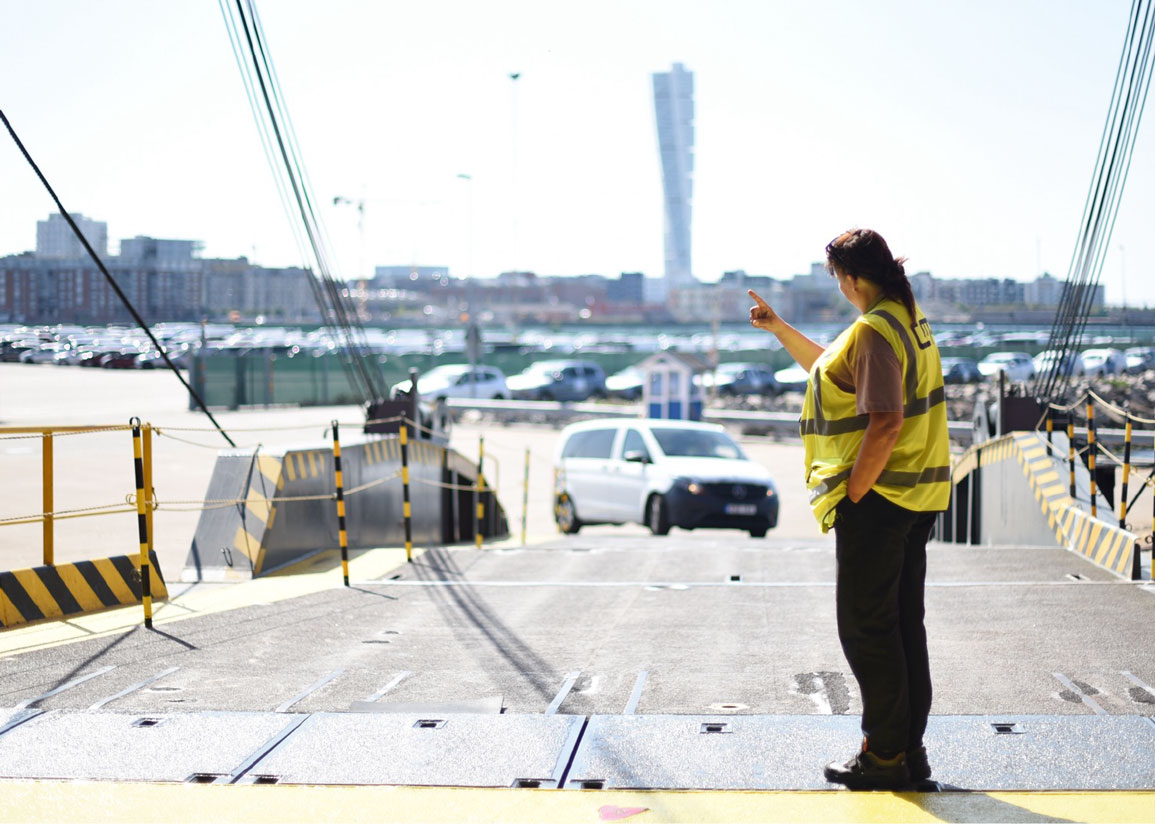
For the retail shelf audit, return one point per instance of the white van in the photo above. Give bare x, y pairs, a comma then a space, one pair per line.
660, 473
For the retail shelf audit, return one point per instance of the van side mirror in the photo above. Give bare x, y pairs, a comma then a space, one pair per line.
635, 456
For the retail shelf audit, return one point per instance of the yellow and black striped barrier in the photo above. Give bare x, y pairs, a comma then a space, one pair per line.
342, 534
56, 591
142, 521
406, 506
1073, 527
480, 489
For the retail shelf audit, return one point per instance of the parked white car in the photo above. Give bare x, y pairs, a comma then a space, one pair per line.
660, 473
1140, 358
1017, 365
458, 380
1103, 362
1044, 361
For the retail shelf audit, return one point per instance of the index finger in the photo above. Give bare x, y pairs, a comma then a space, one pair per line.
758, 299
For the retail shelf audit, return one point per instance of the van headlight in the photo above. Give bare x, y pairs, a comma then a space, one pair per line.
690, 485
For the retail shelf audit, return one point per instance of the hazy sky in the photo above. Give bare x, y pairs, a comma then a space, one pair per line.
965, 132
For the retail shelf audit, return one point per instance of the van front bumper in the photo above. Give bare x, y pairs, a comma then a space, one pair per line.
710, 509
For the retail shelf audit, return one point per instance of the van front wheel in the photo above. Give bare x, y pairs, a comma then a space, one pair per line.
566, 515
657, 518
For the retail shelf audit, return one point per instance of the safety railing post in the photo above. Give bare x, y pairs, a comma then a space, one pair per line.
1071, 453
1091, 456
1050, 427
142, 522
525, 498
1126, 473
47, 497
479, 490
406, 511
342, 535
149, 492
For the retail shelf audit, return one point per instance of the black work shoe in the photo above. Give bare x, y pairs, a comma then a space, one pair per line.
866, 771
918, 764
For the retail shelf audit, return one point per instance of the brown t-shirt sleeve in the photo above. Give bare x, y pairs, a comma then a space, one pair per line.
877, 374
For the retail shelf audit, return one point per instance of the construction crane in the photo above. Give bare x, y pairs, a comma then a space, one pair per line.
361, 277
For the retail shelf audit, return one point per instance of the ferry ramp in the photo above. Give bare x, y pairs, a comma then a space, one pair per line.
609, 675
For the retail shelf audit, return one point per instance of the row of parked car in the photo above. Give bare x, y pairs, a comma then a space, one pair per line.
574, 380
1019, 366
111, 355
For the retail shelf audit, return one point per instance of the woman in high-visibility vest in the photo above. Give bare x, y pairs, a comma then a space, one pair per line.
878, 469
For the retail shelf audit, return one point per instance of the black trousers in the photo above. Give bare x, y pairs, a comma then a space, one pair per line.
881, 551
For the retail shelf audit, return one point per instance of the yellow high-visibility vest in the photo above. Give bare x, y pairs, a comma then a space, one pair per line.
917, 476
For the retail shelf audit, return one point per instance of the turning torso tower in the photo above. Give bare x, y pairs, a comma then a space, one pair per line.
674, 109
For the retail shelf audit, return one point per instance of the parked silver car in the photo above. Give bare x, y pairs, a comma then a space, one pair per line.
559, 380
1103, 362
1016, 365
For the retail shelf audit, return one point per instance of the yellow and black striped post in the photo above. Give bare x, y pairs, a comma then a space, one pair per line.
406, 511
1050, 425
342, 535
1126, 472
1091, 455
141, 522
480, 487
46, 497
1071, 452
525, 497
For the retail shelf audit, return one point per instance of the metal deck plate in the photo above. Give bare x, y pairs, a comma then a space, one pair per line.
445, 750
788, 752
84, 745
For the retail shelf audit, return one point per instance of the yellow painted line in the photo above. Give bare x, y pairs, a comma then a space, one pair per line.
245, 543
258, 504
1092, 538
9, 615
302, 471
1044, 477
1123, 566
1098, 548
270, 467
38, 593
1110, 539
1118, 543
79, 587
1054, 490
1079, 530
116, 583
290, 469
128, 803
315, 574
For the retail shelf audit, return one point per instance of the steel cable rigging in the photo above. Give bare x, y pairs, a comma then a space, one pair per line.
112, 281
278, 138
1109, 178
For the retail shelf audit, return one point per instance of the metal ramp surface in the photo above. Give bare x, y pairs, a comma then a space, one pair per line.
787, 752
601, 752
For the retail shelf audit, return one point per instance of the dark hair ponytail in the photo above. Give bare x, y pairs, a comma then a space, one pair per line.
864, 254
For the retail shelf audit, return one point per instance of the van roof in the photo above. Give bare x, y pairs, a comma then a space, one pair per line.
652, 423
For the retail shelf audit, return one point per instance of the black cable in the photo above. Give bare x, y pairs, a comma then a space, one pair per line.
111, 282
1100, 210
333, 303
356, 376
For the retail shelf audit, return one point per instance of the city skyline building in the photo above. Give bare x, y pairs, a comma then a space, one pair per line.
55, 238
674, 114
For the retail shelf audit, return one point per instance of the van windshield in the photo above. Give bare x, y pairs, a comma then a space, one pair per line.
697, 443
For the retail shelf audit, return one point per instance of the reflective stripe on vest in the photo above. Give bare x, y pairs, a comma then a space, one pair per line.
917, 476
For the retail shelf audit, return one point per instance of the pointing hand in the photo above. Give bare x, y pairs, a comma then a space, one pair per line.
762, 315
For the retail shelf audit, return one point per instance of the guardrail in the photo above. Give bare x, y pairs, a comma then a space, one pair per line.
70, 588
780, 424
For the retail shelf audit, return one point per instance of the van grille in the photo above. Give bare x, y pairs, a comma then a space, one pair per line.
736, 491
